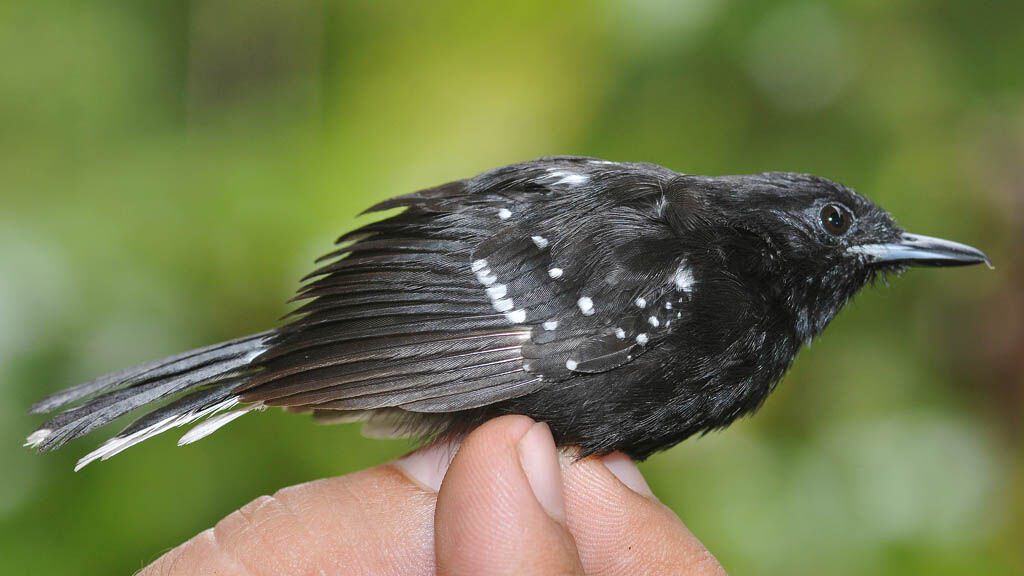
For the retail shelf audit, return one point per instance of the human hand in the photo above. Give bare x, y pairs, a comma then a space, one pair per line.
506, 504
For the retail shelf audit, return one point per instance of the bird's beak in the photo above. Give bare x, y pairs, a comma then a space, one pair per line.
922, 251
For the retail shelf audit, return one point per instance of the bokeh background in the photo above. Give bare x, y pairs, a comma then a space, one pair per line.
168, 170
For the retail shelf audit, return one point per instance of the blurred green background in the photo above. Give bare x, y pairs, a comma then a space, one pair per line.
168, 170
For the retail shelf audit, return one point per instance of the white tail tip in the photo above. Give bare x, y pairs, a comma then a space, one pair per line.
212, 424
38, 437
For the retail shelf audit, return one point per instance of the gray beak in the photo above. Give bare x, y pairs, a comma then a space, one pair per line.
922, 251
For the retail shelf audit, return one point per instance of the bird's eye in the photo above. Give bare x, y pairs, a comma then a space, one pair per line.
835, 219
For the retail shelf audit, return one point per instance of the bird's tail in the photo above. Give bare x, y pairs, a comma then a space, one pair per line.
199, 384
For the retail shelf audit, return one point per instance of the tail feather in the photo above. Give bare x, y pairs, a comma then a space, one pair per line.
147, 372
214, 423
203, 381
193, 401
124, 441
81, 420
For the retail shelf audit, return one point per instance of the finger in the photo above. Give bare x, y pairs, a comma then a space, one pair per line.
501, 509
621, 528
378, 521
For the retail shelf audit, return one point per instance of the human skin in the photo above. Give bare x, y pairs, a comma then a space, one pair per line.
508, 503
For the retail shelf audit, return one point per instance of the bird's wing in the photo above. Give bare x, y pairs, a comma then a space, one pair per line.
480, 291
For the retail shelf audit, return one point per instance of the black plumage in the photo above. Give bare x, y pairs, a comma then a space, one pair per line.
626, 305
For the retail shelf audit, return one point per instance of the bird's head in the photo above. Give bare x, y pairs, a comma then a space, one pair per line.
809, 244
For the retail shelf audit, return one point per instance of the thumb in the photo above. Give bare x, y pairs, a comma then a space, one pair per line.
500, 509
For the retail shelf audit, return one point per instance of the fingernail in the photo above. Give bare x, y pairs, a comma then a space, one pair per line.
539, 459
625, 470
427, 466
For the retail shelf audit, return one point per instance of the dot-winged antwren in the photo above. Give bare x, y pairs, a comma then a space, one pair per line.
626, 305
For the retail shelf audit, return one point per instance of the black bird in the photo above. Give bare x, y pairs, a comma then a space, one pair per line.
626, 305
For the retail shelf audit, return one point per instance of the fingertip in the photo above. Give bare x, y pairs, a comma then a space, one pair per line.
625, 470
501, 508
427, 466
506, 429
620, 527
539, 459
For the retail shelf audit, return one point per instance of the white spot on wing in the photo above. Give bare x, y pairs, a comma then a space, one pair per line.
503, 304
620, 333
571, 364
566, 177
540, 241
641, 339
550, 325
497, 291
586, 305
684, 278
660, 204
516, 316
486, 277
641, 302
504, 213
654, 321
555, 272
